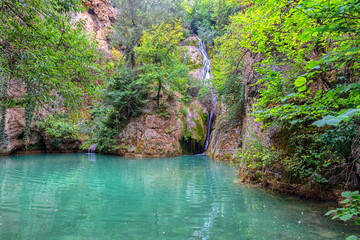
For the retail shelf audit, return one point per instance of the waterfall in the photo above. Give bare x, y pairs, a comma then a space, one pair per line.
92, 148
208, 131
206, 69
206, 78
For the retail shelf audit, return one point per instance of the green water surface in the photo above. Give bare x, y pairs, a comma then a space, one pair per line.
88, 196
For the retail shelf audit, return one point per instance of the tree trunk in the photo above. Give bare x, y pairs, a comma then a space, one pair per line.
158, 94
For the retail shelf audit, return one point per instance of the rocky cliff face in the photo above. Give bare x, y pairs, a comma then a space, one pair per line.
161, 134
98, 18
172, 130
155, 133
14, 131
97, 21
15, 123
193, 56
225, 139
229, 138
195, 131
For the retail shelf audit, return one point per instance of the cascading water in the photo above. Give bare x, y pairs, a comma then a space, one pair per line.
206, 69
92, 148
91, 152
206, 77
206, 145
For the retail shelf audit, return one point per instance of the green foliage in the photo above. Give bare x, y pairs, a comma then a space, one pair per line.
137, 17
340, 138
208, 17
307, 56
50, 55
255, 155
183, 111
158, 56
4, 86
311, 160
168, 131
232, 95
286, 33
59, 127
163, 111
123, 99
350, 209
126, 96
352, 237
205, 94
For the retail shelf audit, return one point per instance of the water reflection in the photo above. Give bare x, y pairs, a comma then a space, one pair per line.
92, 157
71, 197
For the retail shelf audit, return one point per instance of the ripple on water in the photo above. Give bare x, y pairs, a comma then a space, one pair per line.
78, 196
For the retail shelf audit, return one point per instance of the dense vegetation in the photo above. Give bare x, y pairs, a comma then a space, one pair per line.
44, 51
309, 86
305, 53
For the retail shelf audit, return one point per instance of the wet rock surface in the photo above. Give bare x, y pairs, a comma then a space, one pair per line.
160, 134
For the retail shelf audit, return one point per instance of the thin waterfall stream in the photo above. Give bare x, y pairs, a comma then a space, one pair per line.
206, 145
206, 77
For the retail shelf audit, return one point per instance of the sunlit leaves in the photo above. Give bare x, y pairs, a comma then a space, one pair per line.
159, 58
300, 81
46, 51
350, 209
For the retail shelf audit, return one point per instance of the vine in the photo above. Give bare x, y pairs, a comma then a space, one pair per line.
29, 113
4, 85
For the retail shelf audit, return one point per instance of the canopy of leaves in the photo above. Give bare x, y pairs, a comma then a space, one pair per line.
310, 38
208, 18
49, 55
309, 65
47, 52
138, 16
159, 58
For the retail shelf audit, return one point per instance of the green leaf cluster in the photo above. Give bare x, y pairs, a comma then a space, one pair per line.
306, 54
350, 209
123, 99
51, 56
137, 17
208, 18
159, 58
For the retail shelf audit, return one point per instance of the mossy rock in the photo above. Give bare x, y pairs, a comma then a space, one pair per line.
192, 42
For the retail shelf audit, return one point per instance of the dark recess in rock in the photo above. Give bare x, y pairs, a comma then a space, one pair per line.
91, 11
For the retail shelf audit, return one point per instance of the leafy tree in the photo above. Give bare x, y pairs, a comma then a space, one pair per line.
137, 16
350, 209
123, 98
310, 73
49, 55
158, 56
208, 18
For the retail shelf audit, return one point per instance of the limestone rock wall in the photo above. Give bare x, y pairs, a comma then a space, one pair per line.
193, 56
182, 129
14, 131
195, 131
160, 134
227, 139
98, 18
154, 134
